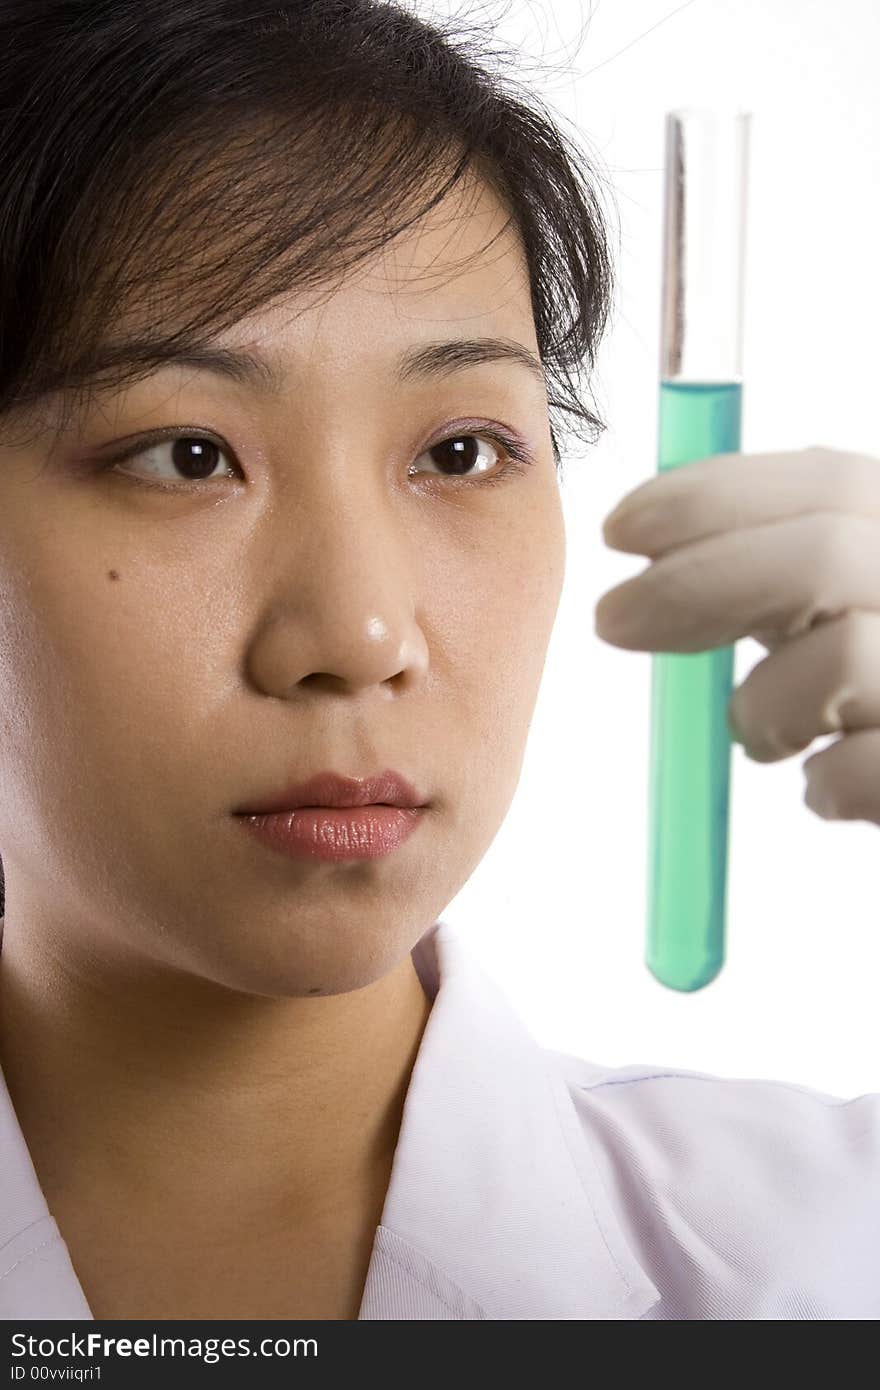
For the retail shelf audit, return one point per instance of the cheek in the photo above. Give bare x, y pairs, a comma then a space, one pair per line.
87, 711
501, 638
526, 587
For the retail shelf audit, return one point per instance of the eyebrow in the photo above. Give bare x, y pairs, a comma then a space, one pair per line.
250, 368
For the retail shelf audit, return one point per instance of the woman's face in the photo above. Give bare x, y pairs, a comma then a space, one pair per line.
329, 595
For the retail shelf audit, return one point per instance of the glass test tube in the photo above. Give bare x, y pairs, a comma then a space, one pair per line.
700, 415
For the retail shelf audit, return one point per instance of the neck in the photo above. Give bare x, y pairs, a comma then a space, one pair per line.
197, 1098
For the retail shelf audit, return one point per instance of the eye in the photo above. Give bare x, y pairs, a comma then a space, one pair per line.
469, 455
187, 458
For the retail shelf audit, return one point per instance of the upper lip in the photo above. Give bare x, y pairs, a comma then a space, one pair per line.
387, 788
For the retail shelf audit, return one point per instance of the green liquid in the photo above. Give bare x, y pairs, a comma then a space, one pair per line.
689, 795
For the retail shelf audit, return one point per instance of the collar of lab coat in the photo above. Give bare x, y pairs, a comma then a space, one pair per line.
495, 1207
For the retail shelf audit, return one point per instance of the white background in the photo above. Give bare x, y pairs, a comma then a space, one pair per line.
556, 910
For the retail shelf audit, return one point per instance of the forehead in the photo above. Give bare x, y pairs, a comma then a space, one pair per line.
460, 267
467, 245
458, 273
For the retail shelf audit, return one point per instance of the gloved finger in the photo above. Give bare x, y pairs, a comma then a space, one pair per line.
824, 681
770, 582
733, 491
843, 780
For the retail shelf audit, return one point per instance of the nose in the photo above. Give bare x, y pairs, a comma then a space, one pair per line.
343, 607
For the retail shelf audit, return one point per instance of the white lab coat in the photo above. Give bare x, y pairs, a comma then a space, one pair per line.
530, 1184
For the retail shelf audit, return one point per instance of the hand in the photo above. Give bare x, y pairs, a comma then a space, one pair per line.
785, 548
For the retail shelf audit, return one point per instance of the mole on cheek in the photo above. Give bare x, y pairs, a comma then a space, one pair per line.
316, 989
114, 574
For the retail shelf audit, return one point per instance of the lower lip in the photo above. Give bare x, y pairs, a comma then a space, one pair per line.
328, 833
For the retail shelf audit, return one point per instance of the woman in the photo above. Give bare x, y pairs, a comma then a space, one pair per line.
292, 300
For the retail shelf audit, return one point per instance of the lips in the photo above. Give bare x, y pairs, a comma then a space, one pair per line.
388, 788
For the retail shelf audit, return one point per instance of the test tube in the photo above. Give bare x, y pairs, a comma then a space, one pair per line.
700, 414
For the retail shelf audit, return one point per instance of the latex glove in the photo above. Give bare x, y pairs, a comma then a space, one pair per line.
784, 548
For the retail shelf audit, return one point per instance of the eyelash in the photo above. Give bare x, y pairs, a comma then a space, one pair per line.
519, 458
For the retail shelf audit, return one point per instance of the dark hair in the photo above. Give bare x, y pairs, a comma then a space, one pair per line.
187, 160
